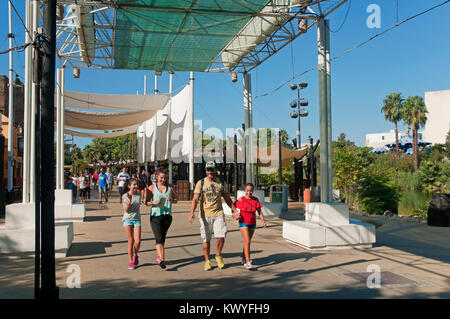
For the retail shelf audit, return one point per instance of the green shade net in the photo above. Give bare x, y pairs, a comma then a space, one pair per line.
162, 36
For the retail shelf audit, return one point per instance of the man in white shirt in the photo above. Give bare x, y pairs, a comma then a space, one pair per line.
82, 185
122, 179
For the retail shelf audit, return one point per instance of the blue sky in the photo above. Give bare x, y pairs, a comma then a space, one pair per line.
410, 59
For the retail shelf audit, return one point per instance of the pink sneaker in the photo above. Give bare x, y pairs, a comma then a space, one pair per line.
162, 263
136, 260
131, 265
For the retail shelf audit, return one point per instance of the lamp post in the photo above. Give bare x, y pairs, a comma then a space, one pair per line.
297, 104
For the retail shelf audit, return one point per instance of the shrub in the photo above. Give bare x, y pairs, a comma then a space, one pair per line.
408, 181
414, 203
434, 176
379, 193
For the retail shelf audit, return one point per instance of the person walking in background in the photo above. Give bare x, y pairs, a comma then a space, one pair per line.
209, 191
248, 205
153, 178
88, 183
132, 220
161, 197
94, 179
103, 185
122, 178
110, 181
70, 183
141, 183
75, 186
82, 186
144, 177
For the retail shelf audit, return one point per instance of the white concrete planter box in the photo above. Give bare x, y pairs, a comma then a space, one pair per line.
23, 240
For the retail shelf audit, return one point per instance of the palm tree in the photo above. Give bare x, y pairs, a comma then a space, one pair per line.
414, 114
392, 112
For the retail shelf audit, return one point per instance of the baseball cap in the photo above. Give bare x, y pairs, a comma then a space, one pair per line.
210, 165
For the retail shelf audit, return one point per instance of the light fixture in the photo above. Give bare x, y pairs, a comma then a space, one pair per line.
76, 73
294, 114
234, 77
303, 113
293, 104
59, 12
293, 86
302, 26
303, 85
158, 73
304, 102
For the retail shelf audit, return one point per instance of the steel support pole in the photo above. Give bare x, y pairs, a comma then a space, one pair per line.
37, 167
248, 132
155, 128
236, 167
280, 160
299, 140
27, 102
329, 136
190, 118
61, 136
145, 129
58, 126
11, 107
323, 110
250, 149
49, 289
169, 129
35, 19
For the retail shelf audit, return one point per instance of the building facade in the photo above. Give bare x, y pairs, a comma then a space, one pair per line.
18, 127
381, 139
17, 153
438, 117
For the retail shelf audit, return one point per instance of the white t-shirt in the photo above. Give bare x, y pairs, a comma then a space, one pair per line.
82, 181
122, 178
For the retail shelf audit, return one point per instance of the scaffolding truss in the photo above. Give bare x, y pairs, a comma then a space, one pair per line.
89, 35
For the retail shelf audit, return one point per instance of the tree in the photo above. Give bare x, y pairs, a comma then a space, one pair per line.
271, 137
392, 109
414, 113
341, 141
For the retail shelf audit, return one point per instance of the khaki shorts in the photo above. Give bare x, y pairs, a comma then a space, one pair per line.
208, 225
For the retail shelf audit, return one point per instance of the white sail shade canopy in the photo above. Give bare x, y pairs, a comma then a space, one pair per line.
115, 133
116, 102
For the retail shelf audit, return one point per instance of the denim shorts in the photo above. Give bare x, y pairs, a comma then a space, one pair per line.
250, 227
103, 189
131, 223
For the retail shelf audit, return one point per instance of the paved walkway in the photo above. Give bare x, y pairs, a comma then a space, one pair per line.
413, 258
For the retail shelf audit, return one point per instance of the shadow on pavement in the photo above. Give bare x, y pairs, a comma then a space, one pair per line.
293, 287
88, 248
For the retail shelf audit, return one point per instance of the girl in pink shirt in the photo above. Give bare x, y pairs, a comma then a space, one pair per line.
248, 206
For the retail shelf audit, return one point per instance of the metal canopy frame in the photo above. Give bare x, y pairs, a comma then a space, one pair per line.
82, 46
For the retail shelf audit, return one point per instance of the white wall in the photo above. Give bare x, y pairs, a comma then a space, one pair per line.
438, 117
381, 139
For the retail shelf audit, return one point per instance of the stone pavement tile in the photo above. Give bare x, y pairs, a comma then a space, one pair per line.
283, 270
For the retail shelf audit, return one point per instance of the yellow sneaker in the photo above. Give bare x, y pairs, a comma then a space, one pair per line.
207, 265
220, 262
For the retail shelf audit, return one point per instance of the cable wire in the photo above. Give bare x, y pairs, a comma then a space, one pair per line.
19, 48
20, 18
345, 19
357, 46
